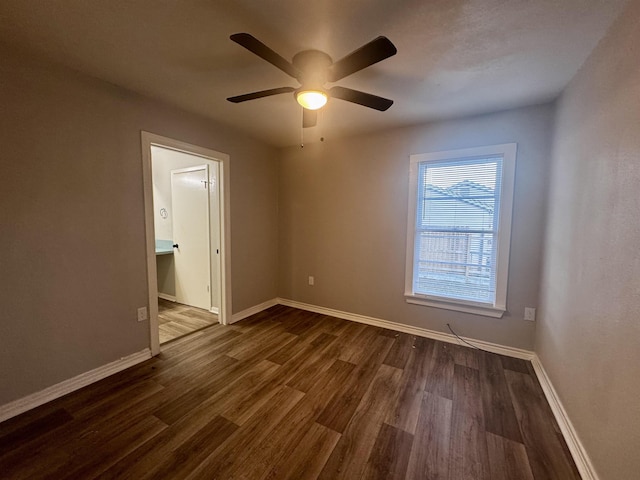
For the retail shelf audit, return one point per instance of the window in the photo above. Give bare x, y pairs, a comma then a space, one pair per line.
459, 229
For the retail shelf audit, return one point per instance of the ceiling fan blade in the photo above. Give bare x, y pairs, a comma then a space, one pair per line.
309, 118
373, 52
260, 94
361, 98
254, 45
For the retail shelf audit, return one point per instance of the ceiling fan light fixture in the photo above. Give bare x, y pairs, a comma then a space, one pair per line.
312, 99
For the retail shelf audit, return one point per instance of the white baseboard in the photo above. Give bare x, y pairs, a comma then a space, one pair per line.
578, 452
172, 298
236, 317
422, 332
580, 456
34, 400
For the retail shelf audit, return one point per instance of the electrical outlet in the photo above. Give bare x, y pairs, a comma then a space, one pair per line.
142, 314
311, 280
530, 314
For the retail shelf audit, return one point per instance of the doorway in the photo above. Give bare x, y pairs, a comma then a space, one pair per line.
186, 223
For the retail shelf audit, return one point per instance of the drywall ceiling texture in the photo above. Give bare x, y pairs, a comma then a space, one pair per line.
455, 57
71, 209
588, 329
343, 219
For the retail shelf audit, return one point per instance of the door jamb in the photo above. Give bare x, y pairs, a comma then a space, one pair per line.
150, 139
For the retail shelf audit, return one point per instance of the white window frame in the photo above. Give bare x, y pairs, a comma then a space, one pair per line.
508, 153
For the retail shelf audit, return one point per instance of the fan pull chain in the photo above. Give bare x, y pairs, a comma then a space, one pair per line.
302, 127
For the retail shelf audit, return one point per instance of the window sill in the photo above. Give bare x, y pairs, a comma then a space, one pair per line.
477, 309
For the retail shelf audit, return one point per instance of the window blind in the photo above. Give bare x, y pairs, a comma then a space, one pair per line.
456, 228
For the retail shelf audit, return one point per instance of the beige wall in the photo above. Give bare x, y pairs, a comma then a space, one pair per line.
588, 335
72, 223
343, 219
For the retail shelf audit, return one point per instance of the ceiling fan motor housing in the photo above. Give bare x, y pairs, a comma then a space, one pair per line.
313, 65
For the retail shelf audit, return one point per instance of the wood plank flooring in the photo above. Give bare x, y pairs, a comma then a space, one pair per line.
288, 394
177, 320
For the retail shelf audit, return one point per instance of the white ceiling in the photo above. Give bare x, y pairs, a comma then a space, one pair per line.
455, 57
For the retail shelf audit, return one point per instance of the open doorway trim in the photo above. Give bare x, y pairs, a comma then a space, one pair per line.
149, 140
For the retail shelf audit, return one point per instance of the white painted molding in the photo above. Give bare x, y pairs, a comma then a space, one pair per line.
36, 399
401, 327
578, 452
485, 311
164, 296
236, 317
214, 310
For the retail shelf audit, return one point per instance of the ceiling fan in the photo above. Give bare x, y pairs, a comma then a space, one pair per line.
313, 68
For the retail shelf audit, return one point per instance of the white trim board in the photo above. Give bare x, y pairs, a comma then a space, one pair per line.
171, 298
58, 390
578, 452
236, 317
422, 332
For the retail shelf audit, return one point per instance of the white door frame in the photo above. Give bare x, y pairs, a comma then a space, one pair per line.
224, 309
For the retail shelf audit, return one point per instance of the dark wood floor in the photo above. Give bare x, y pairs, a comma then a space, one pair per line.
288, 394
177, 320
